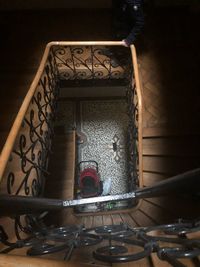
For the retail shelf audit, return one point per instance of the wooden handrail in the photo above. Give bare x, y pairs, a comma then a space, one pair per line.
7, 149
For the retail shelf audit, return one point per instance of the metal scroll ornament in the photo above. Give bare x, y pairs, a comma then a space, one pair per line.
29, 159
133, 142
88, 63
115, 243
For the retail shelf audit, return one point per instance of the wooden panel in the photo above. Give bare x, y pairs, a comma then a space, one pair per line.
116, 218
107, 220
142, 219
88, 221
151, 178
164, 131
98, 221
169, 165
128, 219
176, 146
19, 261
141, 263
157, 214
179, 206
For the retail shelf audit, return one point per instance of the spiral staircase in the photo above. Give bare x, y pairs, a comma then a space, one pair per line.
168, 149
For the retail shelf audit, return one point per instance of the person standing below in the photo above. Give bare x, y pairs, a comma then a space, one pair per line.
128, 20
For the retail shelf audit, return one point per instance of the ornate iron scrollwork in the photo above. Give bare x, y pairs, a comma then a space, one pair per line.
26, 170
133, 142
88, 63
28, 163
124, 243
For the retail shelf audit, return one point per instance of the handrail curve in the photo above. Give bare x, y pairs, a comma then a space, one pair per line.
9, 144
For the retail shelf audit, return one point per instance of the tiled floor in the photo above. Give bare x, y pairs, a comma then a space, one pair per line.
104, 124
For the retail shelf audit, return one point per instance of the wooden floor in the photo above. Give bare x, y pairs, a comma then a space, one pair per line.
169, 64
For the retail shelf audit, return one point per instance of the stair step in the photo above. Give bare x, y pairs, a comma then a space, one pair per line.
24, 261
171, 146
140, 263
153, 132
169, 165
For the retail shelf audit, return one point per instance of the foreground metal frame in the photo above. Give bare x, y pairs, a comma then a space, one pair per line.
119, 241
185, 183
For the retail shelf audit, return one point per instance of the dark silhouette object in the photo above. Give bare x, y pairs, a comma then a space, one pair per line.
127, 25
128, 20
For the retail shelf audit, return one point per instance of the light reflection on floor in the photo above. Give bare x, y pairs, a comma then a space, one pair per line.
105, 125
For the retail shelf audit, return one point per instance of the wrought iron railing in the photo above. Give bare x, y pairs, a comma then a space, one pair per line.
24, 168
122, 243
91, 62
133, 159
24, 158
27, 166
26, 151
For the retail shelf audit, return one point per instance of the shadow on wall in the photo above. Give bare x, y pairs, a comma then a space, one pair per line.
47, 4
169, 63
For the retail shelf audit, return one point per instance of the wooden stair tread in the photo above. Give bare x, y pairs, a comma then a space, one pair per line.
23, 261
156, 132
169, 165
142, 218
176, 146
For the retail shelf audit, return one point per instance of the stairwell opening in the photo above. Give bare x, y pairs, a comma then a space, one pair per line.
98, 105
101, 132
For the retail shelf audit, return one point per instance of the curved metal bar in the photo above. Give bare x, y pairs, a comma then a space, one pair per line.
46, 240
122, 258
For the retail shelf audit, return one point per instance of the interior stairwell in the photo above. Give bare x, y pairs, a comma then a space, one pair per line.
169, 147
